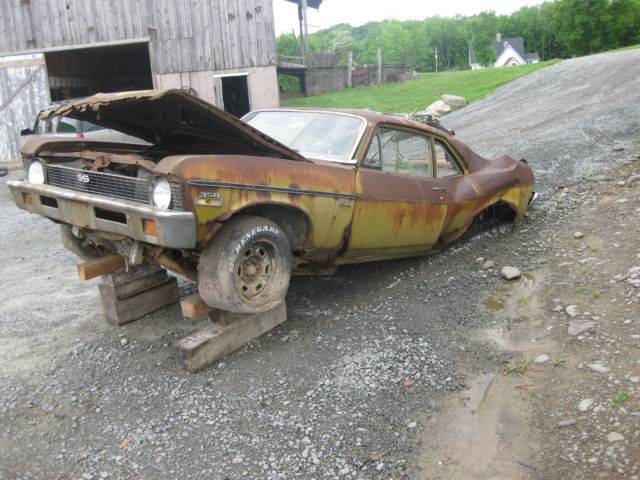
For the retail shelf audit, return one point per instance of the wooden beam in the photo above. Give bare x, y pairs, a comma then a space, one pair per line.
101, 266
193, 307
229, 332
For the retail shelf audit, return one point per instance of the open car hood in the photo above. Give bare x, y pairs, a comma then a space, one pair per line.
176, 122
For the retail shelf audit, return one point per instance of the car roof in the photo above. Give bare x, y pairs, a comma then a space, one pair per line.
371, 117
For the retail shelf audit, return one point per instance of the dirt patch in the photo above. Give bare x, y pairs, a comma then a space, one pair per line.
563, 406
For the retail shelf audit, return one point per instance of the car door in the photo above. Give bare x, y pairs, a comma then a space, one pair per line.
398, 206
452, 179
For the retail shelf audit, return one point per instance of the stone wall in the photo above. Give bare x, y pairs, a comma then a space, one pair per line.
320, 80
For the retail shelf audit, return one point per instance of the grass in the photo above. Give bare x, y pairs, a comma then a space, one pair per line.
619, 398
518, 367
418, 94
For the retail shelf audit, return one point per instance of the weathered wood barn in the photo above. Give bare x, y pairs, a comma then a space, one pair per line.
52, 50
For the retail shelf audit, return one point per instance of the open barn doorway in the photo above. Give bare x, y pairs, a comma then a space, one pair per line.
235, 95
74, 73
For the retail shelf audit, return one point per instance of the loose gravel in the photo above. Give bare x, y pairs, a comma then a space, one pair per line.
344, 388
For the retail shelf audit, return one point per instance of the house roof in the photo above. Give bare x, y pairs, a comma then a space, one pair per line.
531, 56
517, 43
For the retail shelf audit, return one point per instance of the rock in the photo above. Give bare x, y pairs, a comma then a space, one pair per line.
566, 423
578, 235
578, 327
541, 359
488, 264
618, 147
634, 379
585, 404
572, 310
237, 459
412, 424
559, 184
510, 273
598, 368
633, 178
124, 342
454, 101
407, 76
614, 437
621, 183
437, 108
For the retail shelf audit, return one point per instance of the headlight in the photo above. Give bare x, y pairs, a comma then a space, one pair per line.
35, 174
162, 193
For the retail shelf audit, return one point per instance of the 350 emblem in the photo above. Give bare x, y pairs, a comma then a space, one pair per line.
82, 178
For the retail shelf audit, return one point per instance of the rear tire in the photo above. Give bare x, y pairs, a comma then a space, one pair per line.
75, 244
246, 267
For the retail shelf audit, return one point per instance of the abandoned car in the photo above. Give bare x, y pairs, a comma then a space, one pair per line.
240, 205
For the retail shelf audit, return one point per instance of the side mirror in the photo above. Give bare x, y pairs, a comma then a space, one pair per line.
26, 131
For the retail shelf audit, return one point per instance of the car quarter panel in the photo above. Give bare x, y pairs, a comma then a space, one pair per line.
220, 186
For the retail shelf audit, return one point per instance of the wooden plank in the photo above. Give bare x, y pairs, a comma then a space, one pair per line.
101, 266
228, 334
193, 307
119, 311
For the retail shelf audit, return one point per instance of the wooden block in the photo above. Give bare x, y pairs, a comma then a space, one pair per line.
134, 287
193, 307
101, 266
233, 331
120, 311
136, 272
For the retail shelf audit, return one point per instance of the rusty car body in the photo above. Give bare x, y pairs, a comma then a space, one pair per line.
405, 188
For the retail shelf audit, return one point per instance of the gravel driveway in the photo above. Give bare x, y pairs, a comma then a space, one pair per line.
347, 386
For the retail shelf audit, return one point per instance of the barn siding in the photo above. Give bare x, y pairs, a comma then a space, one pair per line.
185, 35
23, 93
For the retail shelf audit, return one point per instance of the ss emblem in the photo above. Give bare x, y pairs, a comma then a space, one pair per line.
83, 178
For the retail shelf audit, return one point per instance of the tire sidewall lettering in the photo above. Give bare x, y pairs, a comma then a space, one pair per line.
246, 237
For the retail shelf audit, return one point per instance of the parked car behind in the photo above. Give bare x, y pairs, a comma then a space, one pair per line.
67, 127
239, 205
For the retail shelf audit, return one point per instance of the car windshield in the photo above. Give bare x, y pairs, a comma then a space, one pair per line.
327, 136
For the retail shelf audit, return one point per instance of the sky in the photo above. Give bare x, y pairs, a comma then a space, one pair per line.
358, 12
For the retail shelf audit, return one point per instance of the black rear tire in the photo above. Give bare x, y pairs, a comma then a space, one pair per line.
247, 266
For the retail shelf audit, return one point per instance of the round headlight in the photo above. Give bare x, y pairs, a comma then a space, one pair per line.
35, 174
162, 193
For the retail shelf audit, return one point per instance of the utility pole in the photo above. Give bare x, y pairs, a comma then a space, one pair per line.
350, 70
379, 70
436, 59
304, 30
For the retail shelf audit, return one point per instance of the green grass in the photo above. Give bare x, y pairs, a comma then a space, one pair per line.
619, 397
419, 93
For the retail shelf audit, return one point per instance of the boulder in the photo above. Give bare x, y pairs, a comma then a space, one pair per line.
578, 327
437, 108
454, 101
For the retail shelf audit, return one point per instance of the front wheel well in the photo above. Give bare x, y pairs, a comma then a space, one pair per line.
294, 223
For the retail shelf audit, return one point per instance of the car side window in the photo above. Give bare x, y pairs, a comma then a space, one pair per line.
66, 125
446, 165
400, 151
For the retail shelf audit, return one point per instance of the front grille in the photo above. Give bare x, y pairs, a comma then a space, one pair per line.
108, 184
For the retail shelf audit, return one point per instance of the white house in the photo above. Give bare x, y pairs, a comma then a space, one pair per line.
510, 51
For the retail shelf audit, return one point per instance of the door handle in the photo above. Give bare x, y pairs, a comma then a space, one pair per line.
440, 189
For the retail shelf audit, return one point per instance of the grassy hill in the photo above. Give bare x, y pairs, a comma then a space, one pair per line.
417, 94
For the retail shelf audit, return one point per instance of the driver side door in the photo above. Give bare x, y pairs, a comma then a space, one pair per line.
399, 207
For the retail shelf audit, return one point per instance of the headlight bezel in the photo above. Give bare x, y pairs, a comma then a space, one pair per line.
43, 173
161, 194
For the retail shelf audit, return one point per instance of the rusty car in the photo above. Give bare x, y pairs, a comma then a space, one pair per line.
239, 205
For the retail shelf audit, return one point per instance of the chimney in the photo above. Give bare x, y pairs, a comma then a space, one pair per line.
498, 38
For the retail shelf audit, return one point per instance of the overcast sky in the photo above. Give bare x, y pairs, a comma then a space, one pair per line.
357, 12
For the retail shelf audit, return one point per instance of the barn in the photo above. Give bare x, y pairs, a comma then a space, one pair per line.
53, 50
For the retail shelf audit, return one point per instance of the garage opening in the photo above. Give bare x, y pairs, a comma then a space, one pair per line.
235, 95
83, 72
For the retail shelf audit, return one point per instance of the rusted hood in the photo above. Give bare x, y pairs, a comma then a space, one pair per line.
176, 122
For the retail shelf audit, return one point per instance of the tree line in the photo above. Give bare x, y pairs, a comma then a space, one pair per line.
558, 29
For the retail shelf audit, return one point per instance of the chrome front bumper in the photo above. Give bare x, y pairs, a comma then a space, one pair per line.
175, 229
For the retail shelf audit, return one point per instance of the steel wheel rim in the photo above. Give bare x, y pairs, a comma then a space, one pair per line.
255, 269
